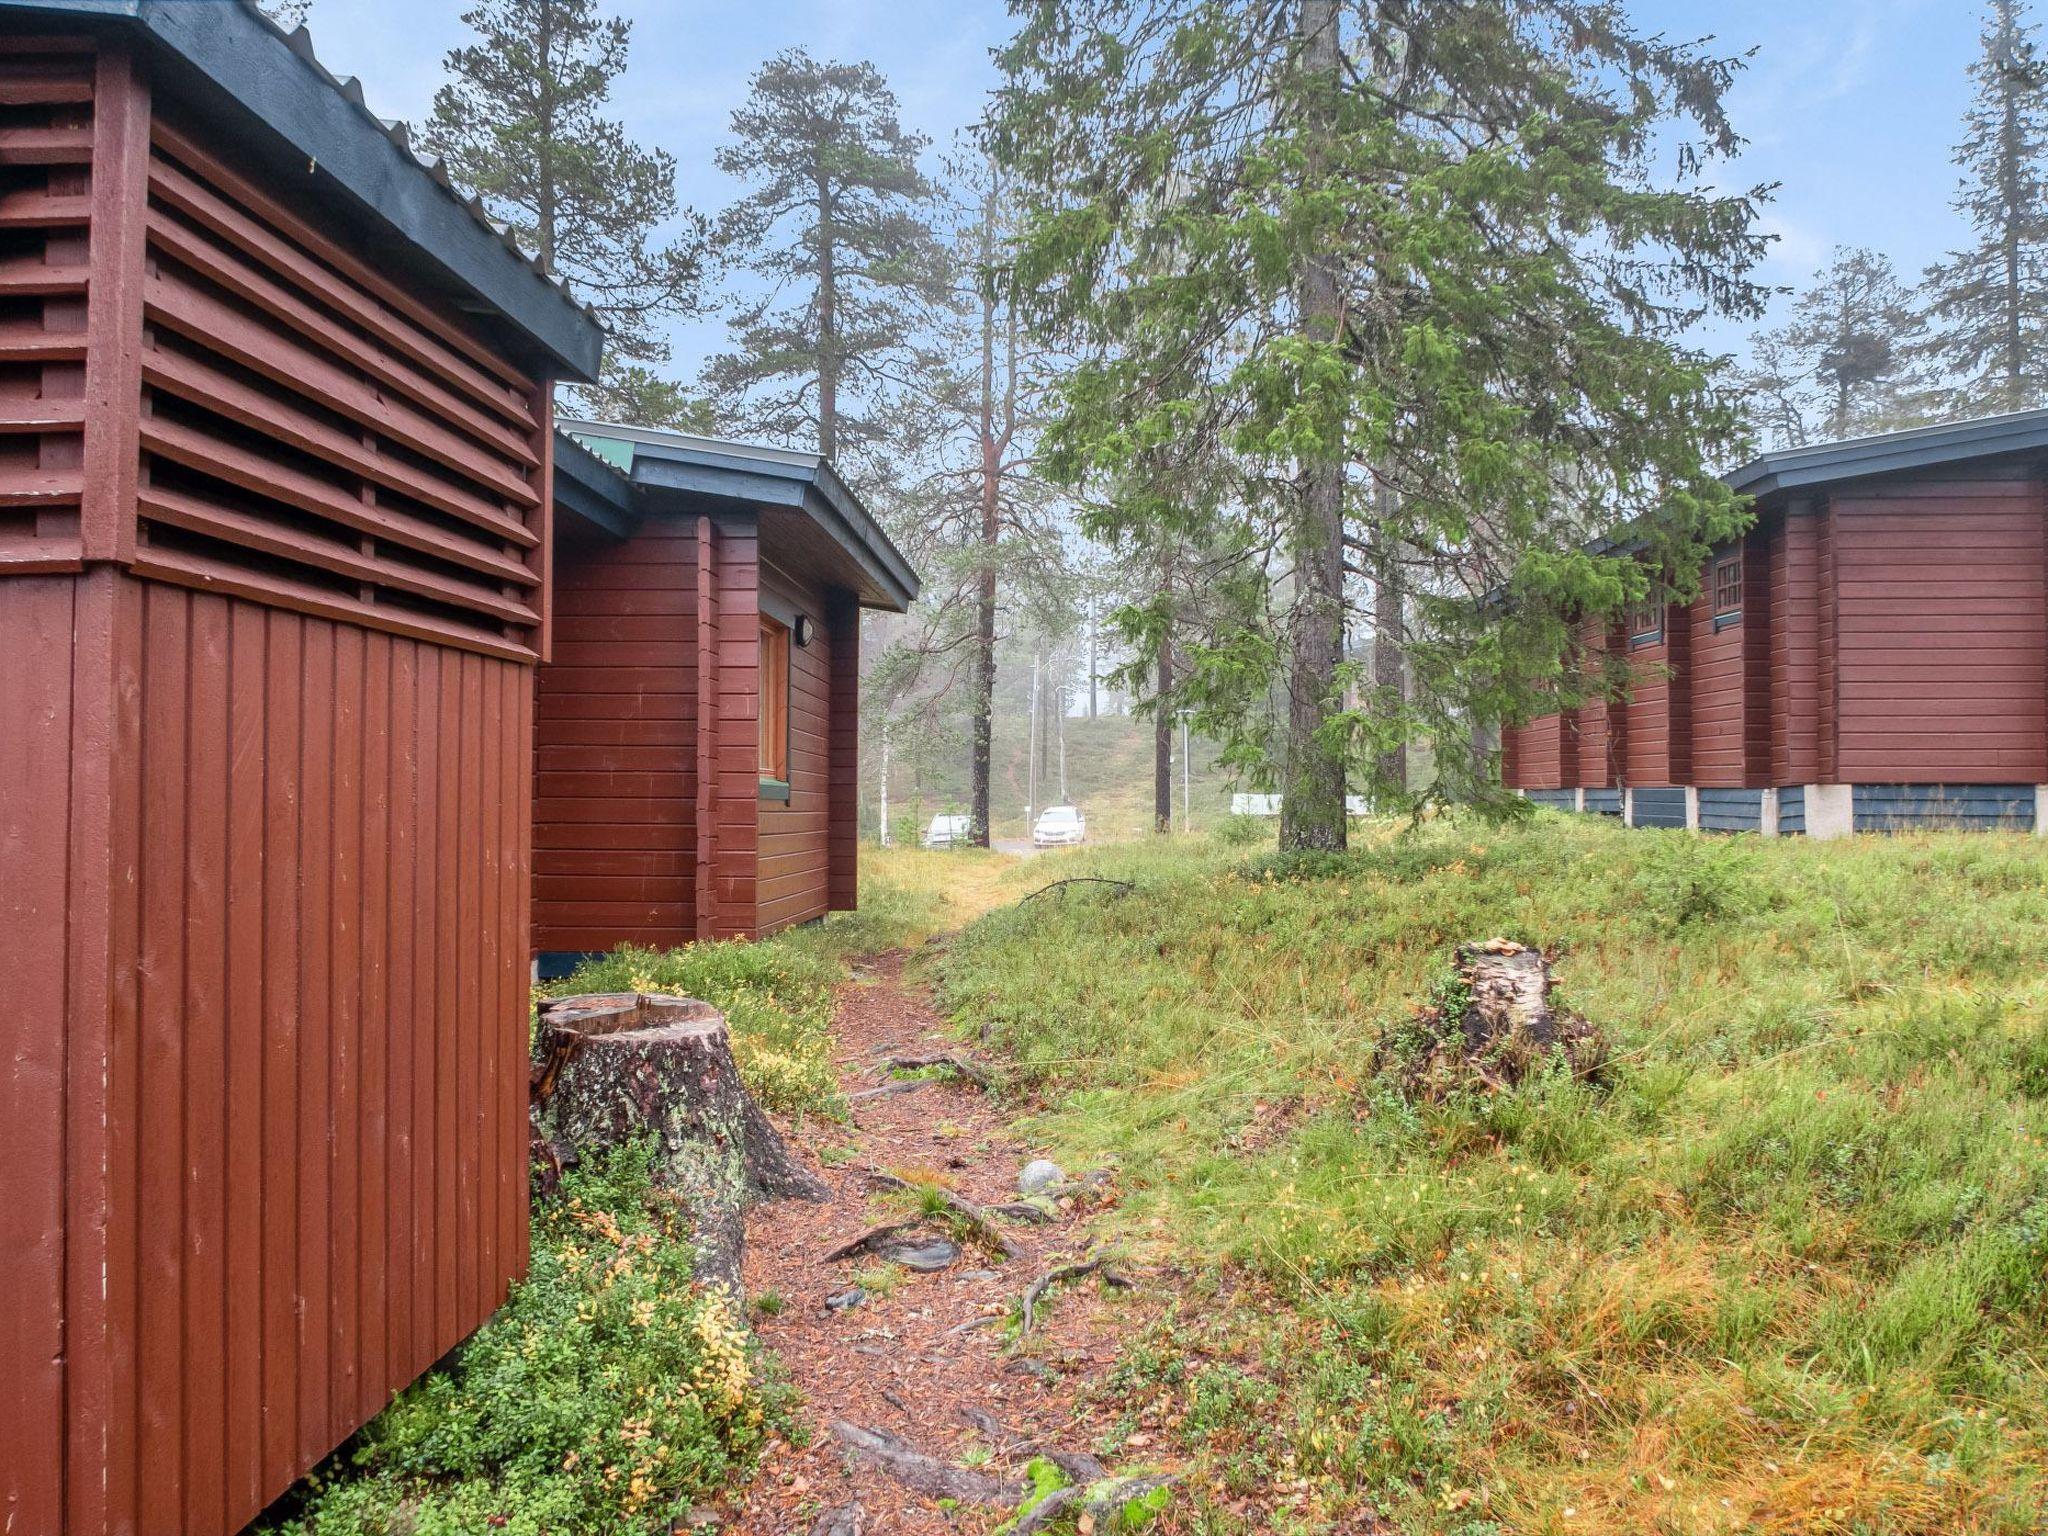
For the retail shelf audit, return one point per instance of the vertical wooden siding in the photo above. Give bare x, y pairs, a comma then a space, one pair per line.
1941, 634
268, 564
794, 834
615, 813
311, 1178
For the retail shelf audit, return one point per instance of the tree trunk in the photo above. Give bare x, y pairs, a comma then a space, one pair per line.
1312, 810
1389, 660
1162, 742
617, 1067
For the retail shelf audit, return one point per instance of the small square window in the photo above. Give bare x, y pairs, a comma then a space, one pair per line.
1728, 588
774, 702
1646, 622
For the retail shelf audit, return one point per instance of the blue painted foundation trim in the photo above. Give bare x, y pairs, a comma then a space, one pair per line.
1603, 802
1556, 799
1731, 810
1962, 807
1661, 805
557, 963
1792, 811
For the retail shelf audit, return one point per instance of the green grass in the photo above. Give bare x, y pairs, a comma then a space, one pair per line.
1782, 1271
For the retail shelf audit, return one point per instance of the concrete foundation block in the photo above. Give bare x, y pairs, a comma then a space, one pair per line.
1830, 810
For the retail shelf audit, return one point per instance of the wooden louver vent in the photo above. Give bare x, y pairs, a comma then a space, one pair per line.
45, 153
316, 437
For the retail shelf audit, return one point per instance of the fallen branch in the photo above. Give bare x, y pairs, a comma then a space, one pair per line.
1100, 1499
1123, 886
918, 1061
1052, 1277
924, 1474
856, 1243
901, 1085
962, 1207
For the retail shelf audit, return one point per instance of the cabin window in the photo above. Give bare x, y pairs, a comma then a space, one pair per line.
1728, 592
1646, 623
774, 707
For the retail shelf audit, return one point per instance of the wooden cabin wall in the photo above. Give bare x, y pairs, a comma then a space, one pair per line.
1658, 717
1941, 631
615, 814
269, 604
1541, 750
842, 833
795, 835
1596, 767
1797, 601
733, 670
1729, 674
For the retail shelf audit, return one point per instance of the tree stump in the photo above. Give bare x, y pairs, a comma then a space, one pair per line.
1508, 1027
617, 1067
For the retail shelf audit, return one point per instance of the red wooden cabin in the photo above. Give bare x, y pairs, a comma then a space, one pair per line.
274, 441
697, 753
1872, 653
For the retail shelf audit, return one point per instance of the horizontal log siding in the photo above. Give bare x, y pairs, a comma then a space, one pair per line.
1657, 723
1729, 674
795, 843
735, 746
293, 1035
1942, 635
614, 748
842, 801
1541, 752
1596, 765
1794, 660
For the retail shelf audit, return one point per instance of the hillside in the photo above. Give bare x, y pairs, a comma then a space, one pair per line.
1781, 1267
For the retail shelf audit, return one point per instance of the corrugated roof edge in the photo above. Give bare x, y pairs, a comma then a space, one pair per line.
188, 28
858, 527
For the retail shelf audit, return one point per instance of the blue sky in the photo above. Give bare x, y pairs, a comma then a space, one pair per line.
1851, 105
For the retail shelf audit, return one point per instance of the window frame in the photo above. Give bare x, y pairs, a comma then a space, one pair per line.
1727, 572
776, 641
1646, 622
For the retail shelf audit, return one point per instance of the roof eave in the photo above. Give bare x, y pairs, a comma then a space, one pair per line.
248, 62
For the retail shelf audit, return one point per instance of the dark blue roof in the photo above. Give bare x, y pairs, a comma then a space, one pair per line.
1952, 443
264, 88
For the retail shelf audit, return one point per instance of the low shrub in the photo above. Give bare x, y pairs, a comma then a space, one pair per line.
606, 1395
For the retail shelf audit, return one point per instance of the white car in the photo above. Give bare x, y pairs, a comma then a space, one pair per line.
1059, 826
949, 832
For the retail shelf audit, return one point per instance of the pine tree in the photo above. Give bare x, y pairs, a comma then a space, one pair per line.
521, 122
1990, 301
1424, 240
1847, 362
837, 231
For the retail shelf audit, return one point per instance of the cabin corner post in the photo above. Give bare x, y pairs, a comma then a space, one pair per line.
734, 735
119, 258
704, 850
842, 832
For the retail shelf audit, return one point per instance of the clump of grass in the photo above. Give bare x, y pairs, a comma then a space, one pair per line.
607, 1394
1785, 1269
777, 1001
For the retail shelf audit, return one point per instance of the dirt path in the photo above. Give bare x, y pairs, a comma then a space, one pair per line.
924, 1360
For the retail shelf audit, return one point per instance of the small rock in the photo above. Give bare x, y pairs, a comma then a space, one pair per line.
1039, 1175
977, 1274
846, 1300
1037, 1370
921, 1256
698, 1518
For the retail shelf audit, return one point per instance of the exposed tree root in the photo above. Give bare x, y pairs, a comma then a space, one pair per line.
924, 1474
917, 1061
959, 1205
1052, 1277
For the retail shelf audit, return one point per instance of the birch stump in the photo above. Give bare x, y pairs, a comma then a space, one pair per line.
618, 1067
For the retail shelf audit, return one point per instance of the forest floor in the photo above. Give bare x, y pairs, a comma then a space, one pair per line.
930, 1358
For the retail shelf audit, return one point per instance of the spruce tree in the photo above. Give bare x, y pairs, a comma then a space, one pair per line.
521, 122
1428, 242
837, 231
1990, 301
